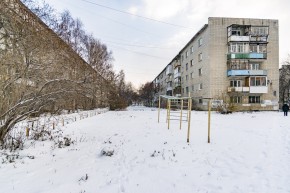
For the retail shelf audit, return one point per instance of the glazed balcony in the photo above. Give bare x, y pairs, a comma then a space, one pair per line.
169, 70
177, 74
252, 55
169, 88
247, 72
176, 84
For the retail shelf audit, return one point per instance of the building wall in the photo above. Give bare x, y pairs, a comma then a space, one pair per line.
214, 65
218, 50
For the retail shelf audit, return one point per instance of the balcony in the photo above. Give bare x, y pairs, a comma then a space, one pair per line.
176, 84
238, 89
259, 89
247, 72
177, 74
169, 70
247, 56
168, 80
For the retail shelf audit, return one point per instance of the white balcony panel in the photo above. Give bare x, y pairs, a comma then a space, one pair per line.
258, 89
169, 70
239, 38
177, 74
238, 89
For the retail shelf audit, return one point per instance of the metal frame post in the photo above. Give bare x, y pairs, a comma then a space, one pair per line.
159, 109
209, 111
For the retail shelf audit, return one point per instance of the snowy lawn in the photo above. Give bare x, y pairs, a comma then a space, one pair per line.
128, 151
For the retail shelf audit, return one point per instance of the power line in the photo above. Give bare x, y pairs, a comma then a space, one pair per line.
140, 53
128, 13
141, 46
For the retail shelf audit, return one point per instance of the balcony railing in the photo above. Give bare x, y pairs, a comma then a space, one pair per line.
258, 89
247, 72
239, 38
251, 89
247, 56
169, 88
233, 38
259, 39
238, 89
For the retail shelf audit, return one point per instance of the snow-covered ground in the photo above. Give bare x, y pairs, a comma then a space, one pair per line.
248, 153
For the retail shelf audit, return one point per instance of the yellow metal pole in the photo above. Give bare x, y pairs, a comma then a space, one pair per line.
209, 110
158, 109
27, 132
181, 107
169, 113
167, 107
188, 129
187, 114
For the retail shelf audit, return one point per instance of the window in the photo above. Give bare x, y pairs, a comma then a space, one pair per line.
191, 49
186, 54
191, 63
186, 66
258, 81
187, 89
236, 83
192, 88
254, 66
259, 30
200, 86
258, 48
200, 42
254, 48
236, 31
182, 57
200, 101
238, 48
200, 57
200, 71
236, 99
254, 99
186, 77
191, 75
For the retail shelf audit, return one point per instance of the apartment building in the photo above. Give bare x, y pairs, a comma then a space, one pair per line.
231, 60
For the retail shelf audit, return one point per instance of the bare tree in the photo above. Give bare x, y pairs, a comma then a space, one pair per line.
44, 11
284, 81
147, 92
39, 72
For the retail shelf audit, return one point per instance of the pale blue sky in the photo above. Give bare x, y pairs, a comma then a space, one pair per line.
142, 48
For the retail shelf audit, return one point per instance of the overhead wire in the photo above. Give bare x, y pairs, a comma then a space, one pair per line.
141, 46
140, 16
140, 53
